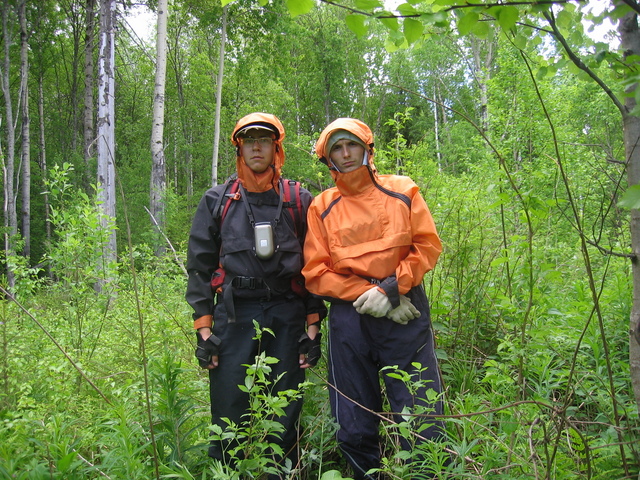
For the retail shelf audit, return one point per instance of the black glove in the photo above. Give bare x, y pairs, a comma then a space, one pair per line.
206, 349
310, 348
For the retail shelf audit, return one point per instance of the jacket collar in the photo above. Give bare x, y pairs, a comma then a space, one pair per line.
354, 182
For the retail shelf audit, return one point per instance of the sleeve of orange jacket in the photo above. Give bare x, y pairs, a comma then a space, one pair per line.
320, 278
425, 248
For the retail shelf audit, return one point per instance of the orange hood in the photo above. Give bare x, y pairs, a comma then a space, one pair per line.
352, 125
260, 182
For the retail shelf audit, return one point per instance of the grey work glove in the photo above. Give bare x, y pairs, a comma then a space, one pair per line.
404, 312
207, 349
373, 302
310, 348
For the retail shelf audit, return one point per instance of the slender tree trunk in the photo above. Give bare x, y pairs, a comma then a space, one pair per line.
106, 129
436, 128
482, 61
43, 163
216, 134
89, 84
158, 164
10, 214
630, 42
26, 130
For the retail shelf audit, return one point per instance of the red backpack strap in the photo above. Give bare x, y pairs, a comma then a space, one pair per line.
292, 191
233, 194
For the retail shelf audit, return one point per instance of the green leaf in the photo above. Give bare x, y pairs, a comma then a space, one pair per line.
435, 18
391, 23
299, 7
541, 73
520, 41
368, 4
481, 30
630, 198
507, 17
226, 2
355, 22
332, 475
392, 45
65, 462
406, 9
564, 19
412, 30
467, 22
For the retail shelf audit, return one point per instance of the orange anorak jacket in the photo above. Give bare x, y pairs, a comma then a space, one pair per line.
368, 227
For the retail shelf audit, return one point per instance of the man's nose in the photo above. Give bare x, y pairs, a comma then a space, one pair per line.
346, 152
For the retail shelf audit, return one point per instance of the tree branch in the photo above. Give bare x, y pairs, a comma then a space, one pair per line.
580, 64
633, 4
448, 9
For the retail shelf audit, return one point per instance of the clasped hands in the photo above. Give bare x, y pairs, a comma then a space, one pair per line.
376, 303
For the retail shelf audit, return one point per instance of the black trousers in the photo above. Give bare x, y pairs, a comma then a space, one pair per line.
359, 347
285, 317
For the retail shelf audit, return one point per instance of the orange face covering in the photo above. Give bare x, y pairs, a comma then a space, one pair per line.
260, 182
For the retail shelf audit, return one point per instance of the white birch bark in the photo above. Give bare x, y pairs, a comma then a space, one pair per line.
158, 164
216, 133
106, 128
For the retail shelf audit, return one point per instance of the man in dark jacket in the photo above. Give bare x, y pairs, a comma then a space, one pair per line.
244, 262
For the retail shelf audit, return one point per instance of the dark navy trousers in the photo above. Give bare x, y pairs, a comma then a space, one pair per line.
285, 316
359, 347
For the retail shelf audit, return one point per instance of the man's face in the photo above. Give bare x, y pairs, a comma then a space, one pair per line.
347, 155
257, 149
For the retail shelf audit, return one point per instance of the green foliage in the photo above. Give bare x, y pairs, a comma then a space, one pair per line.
76, 255
537, 378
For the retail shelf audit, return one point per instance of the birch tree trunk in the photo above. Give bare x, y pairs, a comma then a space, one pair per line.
106, 130
216, 133
482, 62
89, 84
26, 130
10, 215
630, 42
158, 164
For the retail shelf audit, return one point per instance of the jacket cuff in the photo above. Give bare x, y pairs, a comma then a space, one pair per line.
313, 318
390, 286
203, 321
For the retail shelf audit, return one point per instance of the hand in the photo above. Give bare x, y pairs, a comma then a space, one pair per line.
404, 312
207, 351
309, 350
373, 302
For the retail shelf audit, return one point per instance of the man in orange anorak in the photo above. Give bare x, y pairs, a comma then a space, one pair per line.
371, 239
248, 247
